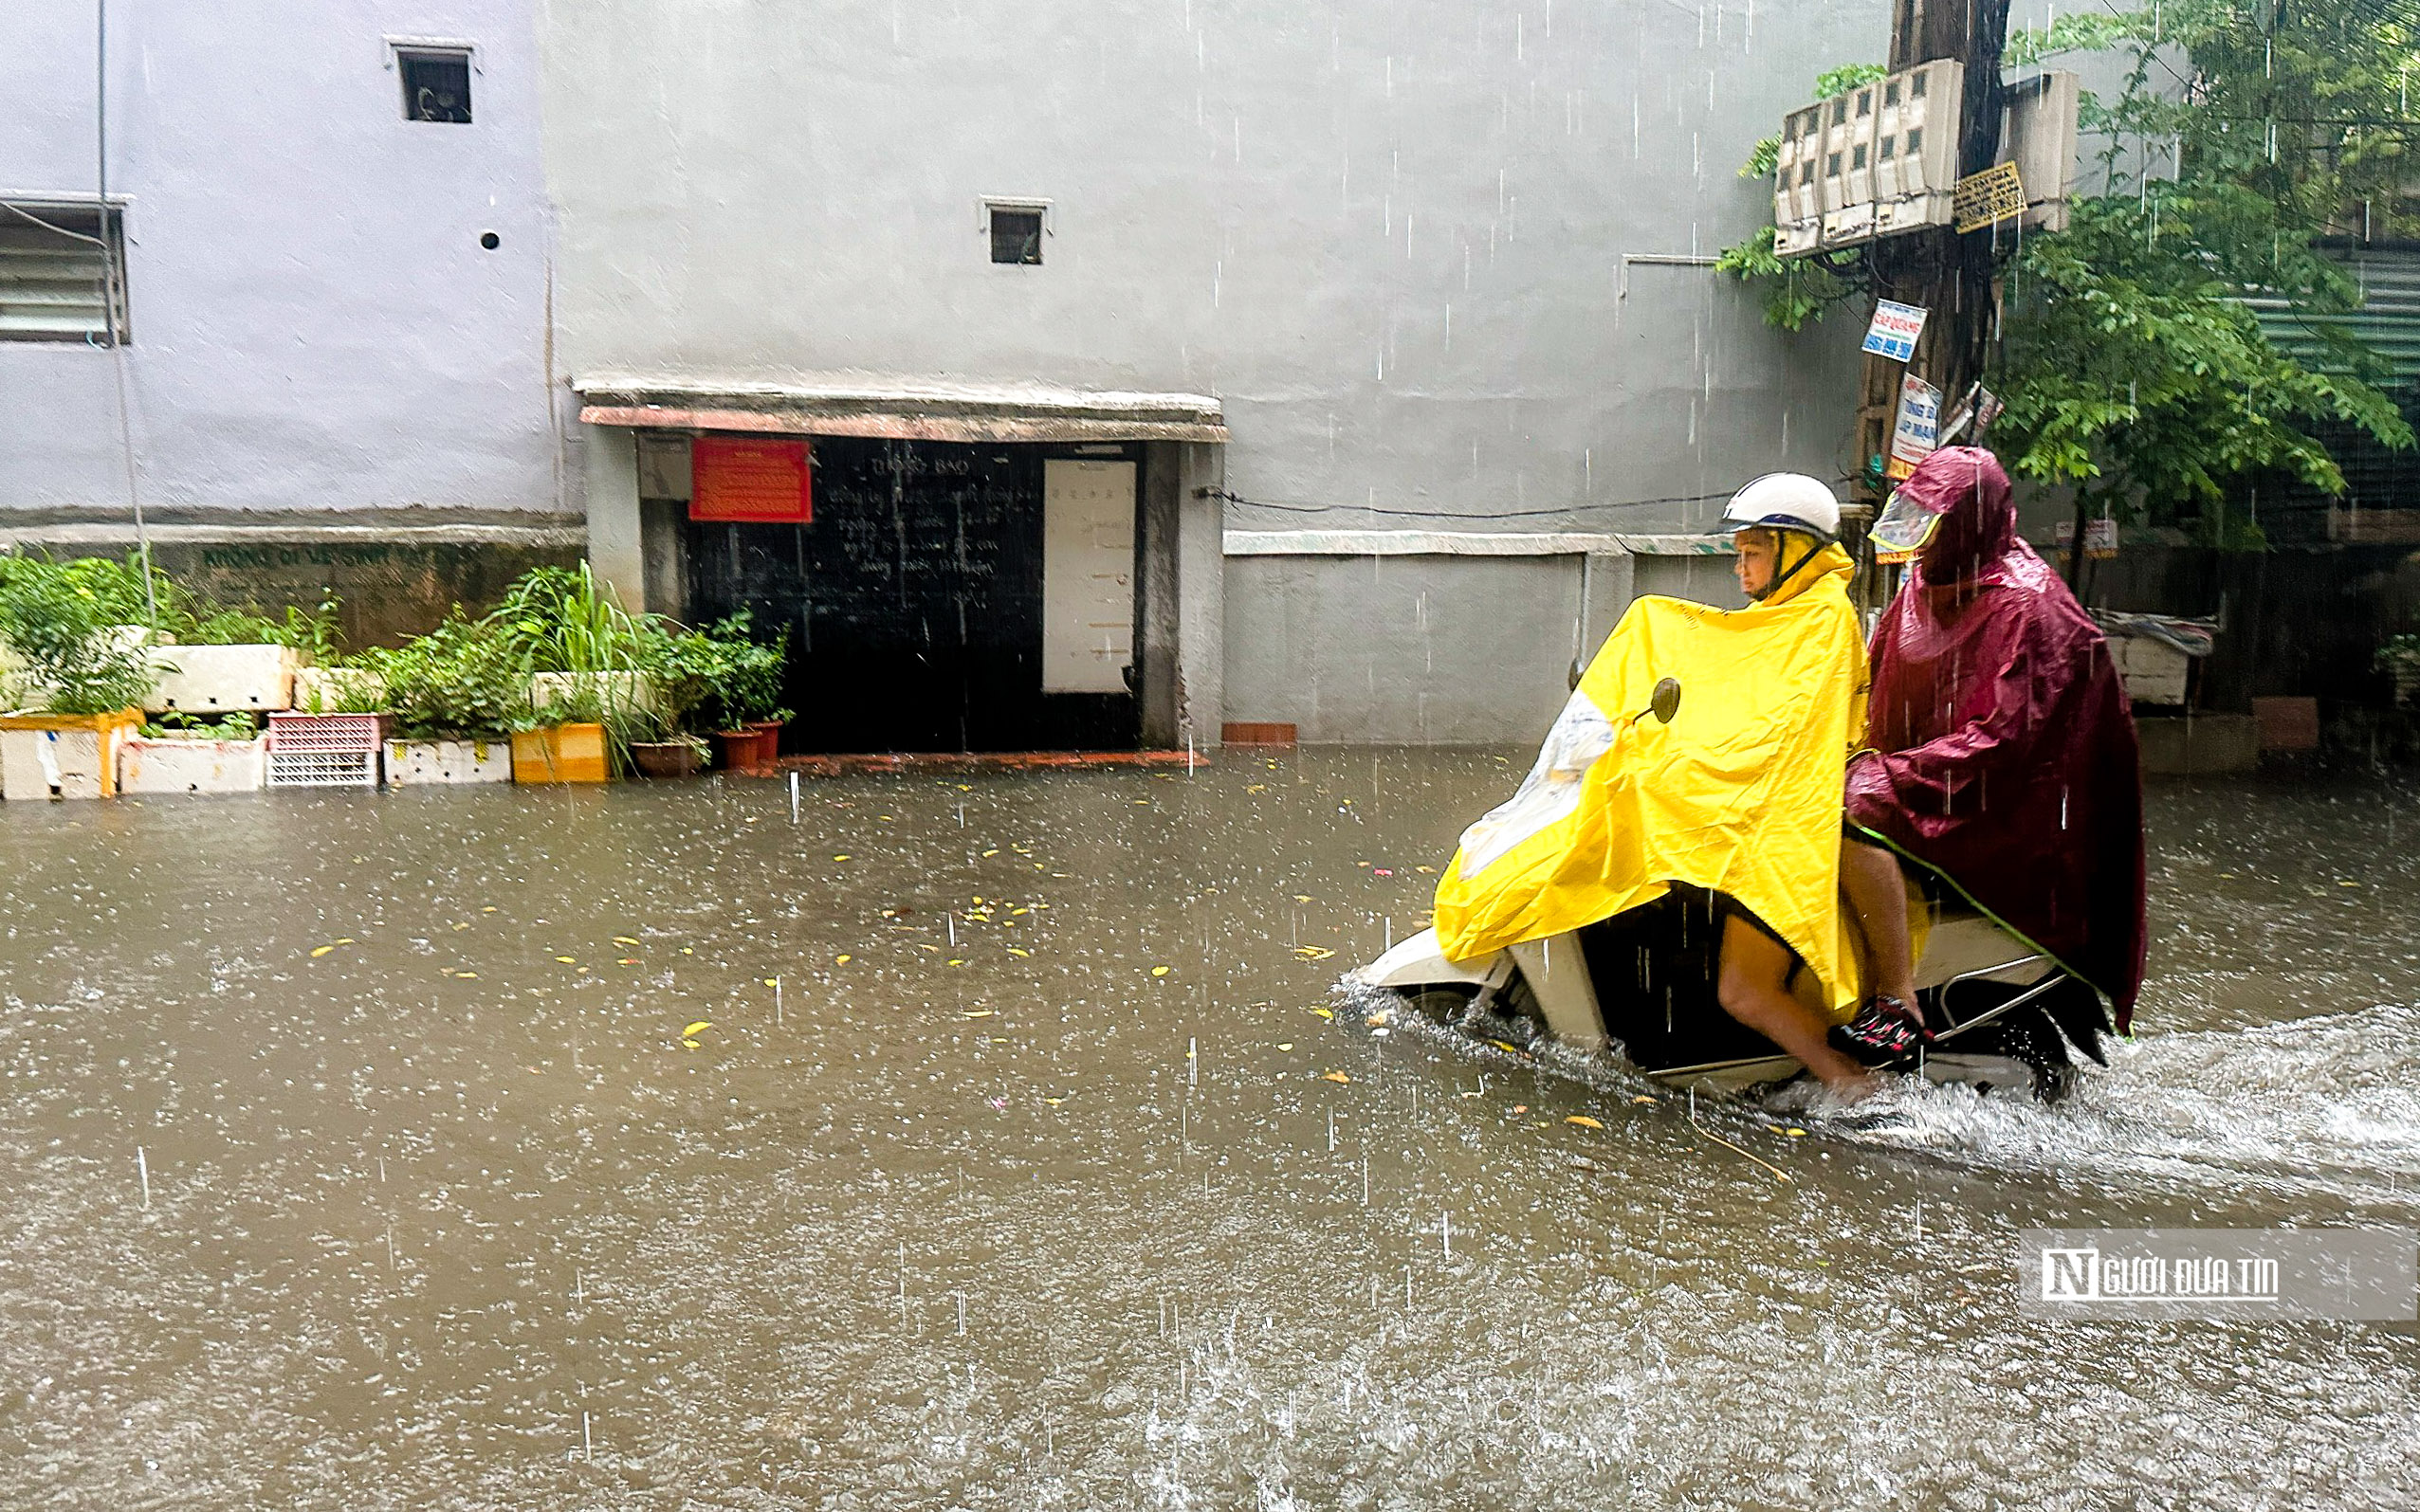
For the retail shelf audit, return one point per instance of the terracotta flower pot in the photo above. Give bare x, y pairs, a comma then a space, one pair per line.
768, 731
665, 758
739, 748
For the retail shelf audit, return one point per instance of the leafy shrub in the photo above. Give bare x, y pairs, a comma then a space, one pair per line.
73, 626
463, 681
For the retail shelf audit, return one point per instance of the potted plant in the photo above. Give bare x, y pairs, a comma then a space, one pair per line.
183, 753
685, 667
746, 695
452, 696
586, 661
79, 673
2399, 658
565, 739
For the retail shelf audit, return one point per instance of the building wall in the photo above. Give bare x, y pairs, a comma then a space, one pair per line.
1390, 239
319, 334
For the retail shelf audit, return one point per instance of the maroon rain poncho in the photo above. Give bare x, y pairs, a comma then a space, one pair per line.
2003, 750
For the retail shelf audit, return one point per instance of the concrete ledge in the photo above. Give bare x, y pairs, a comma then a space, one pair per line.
1469, 544
2201, 745
834, 766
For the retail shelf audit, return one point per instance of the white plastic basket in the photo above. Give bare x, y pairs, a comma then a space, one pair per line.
289, 768
350, 734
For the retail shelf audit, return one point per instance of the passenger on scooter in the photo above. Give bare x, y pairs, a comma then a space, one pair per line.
2002, 755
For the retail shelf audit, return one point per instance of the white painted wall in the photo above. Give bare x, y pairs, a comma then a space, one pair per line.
316, 325
1389, 238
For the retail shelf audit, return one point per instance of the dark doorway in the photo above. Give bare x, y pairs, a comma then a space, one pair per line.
913, 602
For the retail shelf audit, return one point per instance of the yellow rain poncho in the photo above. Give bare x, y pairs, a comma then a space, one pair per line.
1739, 794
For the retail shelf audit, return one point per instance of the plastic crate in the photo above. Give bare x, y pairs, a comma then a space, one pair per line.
289, 768
347, 734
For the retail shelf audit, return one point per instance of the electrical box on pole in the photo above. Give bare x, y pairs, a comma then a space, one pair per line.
1875, 160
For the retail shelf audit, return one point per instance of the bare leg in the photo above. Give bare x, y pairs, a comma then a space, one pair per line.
1877, 893
1751, 990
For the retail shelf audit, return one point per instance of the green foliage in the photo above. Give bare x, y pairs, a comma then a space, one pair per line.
74, 628
2131, 365
561, 619
463, 681
178, 725
311, 633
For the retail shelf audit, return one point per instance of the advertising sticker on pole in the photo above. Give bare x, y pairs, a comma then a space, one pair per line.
1894, 329
1917, 430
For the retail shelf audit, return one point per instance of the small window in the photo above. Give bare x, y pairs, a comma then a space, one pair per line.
436, 87
1891, 93
1806, 172
1832, 167
1890, 147
1859, 161
1840, 112
1016, 234
1914, 139
1864, 104
57, 262
1916, 86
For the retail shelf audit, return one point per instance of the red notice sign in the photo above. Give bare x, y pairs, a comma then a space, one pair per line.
763, 483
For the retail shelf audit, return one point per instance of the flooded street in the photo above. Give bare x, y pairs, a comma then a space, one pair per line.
972, 1140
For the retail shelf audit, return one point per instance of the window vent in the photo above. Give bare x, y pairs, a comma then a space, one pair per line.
436, 85
1016, 234
55, 265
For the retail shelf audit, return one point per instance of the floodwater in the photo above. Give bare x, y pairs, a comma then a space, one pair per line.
368, 1151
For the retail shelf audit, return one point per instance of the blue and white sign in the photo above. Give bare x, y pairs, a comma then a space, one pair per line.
1894, 329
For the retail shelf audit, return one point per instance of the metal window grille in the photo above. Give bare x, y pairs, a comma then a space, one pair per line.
436, 87
1016, 235
63, 272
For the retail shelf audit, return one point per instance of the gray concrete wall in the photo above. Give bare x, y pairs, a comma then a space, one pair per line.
1391, 238
316, 325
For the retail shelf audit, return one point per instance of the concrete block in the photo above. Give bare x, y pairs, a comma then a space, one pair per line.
2288, 724
2199, 745
193, 766
216, 678
427, 763
2154, 671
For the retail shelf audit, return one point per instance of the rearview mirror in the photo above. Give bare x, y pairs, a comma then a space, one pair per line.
1666, 702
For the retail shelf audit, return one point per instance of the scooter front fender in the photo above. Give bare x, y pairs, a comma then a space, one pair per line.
1416, 961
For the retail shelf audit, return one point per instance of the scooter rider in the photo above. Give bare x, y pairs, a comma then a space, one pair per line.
1780, 524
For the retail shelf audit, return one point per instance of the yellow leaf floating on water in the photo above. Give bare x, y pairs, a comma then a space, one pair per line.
467, 976
842, 961
1302, 896
1021, 955
321, 950
773, 981
1313, 952
991, 852
691, 1043
979, 1013
1584, 1121
1159, 970
345, 940
490, 909
1325, 1013
697, 1028
1795, 1132
1506, 1047
567, 960
1054, 1101
839, 858
1334, 1076
624, 939
1643, 1098
1285, 1044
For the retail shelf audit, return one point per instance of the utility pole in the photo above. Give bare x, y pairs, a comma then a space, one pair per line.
1949, 275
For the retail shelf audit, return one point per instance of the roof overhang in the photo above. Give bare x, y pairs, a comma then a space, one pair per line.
858, 406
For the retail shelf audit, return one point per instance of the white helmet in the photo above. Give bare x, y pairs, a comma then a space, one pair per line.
1784, 500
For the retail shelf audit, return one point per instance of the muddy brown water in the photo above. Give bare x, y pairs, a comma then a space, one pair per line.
1032, 1189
